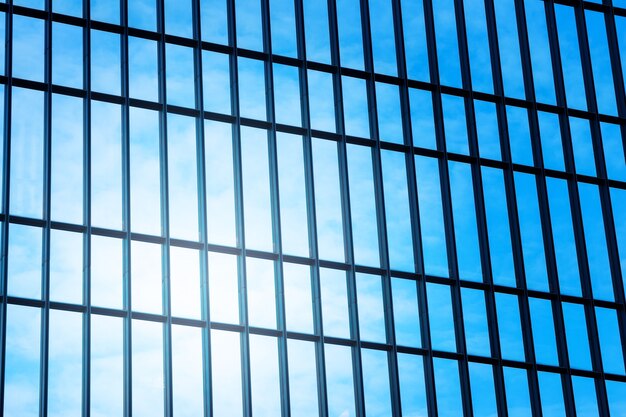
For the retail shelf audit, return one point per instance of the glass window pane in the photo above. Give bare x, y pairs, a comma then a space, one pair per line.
216, 82
389, 113
610, 342
249, 28
226, 374
397, 211
517, 396
601, 62
65, 363
455, 126
287, 95
107, 366
302, 379
585, 396
293, 198
106, 165
576, 333
185, 294
355, 110
614, 155
28, 48
363, 207
298, 298
478, 45
328, 207
551, 145
509, 327
447, 46
283, 24
570, 57
67, 159
106, 272
563, 235
483, 389
369, 290
475, 322
412, 387
544, 336
416, 50
146, 277
422, 119
406, 312
143, 76
214, 21
321, 101
551, 392
142, 14
383, 39
145, 171
432, 226
339, 382
261, 293
531, 232
187, 370
178, 19
510, 57
22, 361
335, 313
264, 376
224, 288
220, 183
67, 55
182, 176
106, 10
583, 146
350, 33
447, 386
180, 76
616, 392
105, 62
24, 267
376, 390
487, 129
148, 373
251, 88
66, 266
316, 31
257, 204
465, 225
519, 135
540, 51
442, 332
69, 7
27, 153
498, 226
618, 200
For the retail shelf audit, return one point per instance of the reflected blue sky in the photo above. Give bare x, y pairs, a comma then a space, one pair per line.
137, 170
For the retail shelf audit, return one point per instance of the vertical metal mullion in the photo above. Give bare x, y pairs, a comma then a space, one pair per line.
86, 362
126, 210
392, 360
429, 21
202, 213
311, 212
45, 266
236, 132
557, 306
275, 207
6, 164
592, 105
544, 209
167, 327
498, 85
345, 206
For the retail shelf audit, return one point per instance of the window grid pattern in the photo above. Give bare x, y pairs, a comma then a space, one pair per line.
402, 254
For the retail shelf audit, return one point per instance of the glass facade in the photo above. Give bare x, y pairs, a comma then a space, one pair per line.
313, 208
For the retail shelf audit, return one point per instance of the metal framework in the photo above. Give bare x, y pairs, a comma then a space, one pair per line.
455, 282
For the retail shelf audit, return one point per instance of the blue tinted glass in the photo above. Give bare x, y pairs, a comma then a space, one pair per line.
376, 391
251, 88
614, 155
180, 76
510, 327
544, 338
447, 46
143, 76
563, 235
441, 317
412, 387
249, 25
28, 48
431, 215
105, 62
517, 396
510, 58
383, 40
455, 124
610, 342
570, 57
389, 115
316, 30
369, 290
583, 146
478, 45
531, 232
106, 10
286, 95
422, 119
416, 50
601, 62
483, 390
576, 333
226, 374
335, 312
449, 402
406, 312
67, 55
339, 380
616, 393
551, 392
551, 145
142, 14
487, 129
302, 379
519, 135
178, 18
350, 33
618, 199
355, 113
283, 24
585, 396
321, 109
216, 82
540, 51
475, 322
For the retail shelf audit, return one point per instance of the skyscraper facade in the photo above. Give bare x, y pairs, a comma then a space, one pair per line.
326, 208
